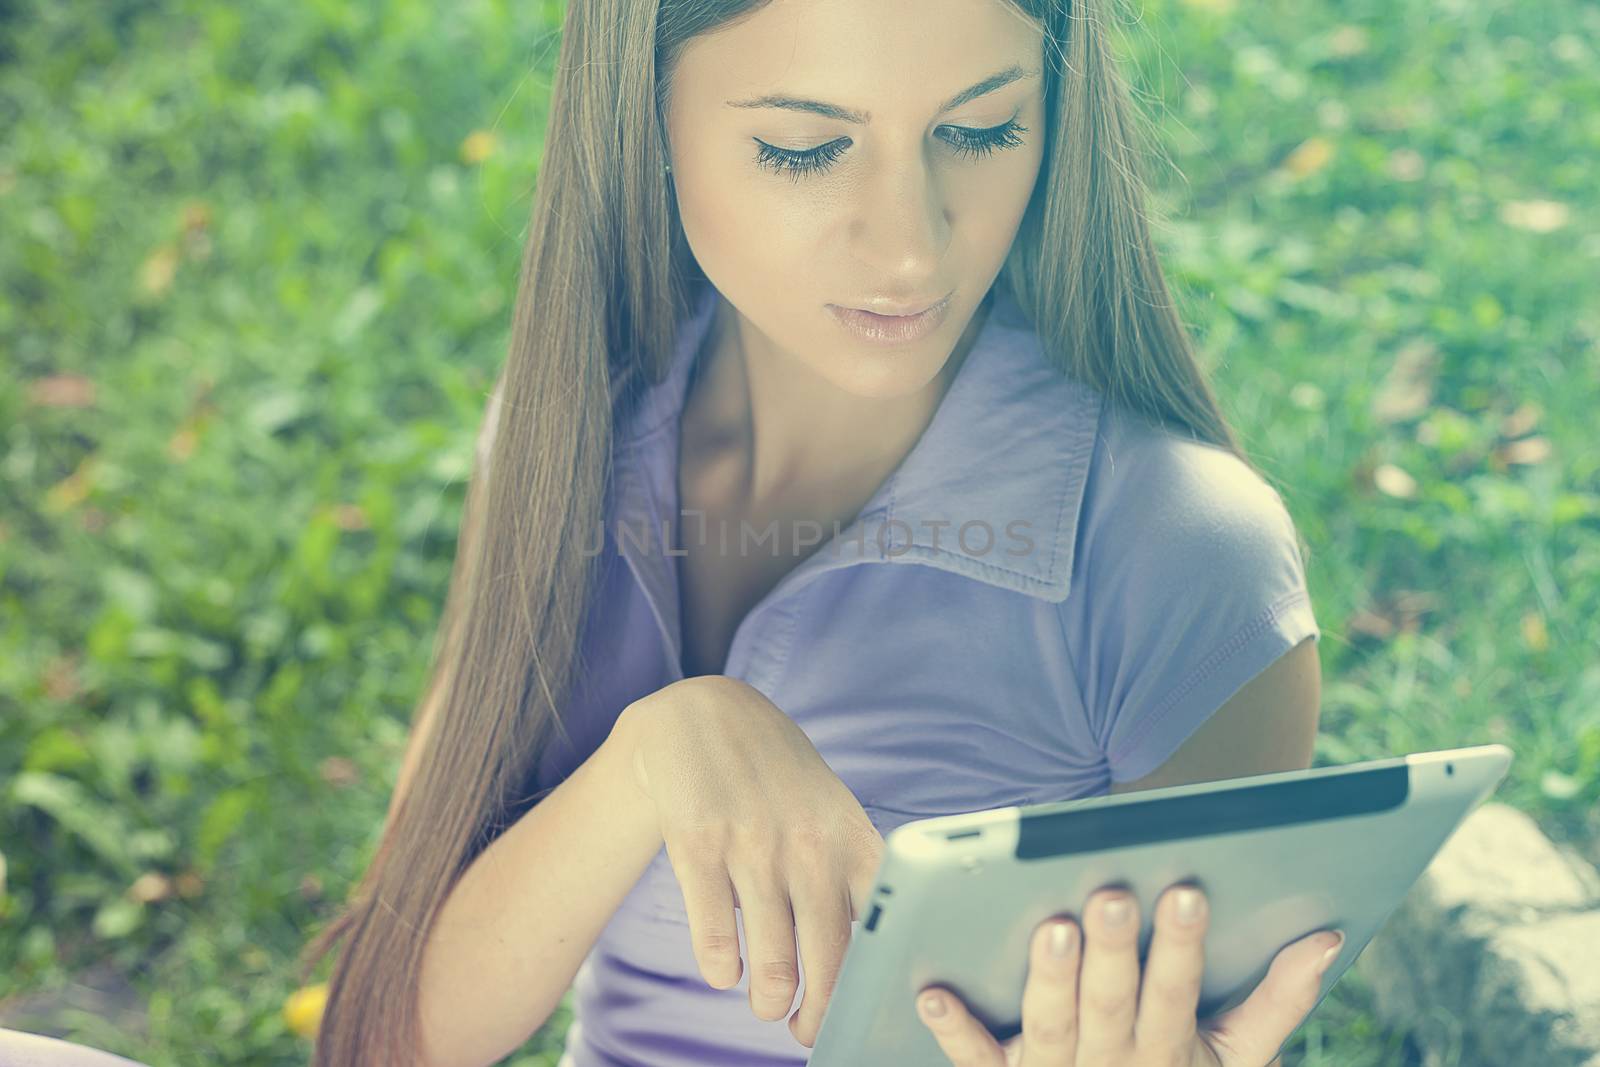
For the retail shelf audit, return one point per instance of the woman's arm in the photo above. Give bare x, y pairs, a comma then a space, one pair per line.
518, 924
1269, 725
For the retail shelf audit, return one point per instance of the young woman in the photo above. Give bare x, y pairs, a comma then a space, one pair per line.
850, 465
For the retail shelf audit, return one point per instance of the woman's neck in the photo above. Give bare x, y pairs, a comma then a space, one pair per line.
789, 431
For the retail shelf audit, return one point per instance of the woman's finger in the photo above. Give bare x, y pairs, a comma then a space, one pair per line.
1253, 1032
768, 940
697, 862
822, 911
1050, 997
1108, 982
962, 1038
1169, 991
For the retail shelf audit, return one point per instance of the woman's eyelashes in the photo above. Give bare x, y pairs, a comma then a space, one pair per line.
964, 140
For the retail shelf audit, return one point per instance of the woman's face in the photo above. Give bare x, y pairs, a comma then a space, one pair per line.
842, 152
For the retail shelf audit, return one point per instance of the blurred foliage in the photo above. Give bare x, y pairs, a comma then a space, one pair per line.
256, 278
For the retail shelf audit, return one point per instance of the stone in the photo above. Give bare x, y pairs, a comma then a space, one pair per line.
1493, 958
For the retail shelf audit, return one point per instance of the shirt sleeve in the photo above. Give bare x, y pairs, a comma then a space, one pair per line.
1191, 584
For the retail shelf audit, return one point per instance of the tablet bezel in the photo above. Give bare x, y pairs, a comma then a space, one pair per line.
1441, 786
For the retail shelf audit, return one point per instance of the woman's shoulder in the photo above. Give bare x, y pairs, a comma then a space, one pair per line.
1153, 487
1178, 534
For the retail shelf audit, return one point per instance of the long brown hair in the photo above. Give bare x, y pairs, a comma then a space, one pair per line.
606, 270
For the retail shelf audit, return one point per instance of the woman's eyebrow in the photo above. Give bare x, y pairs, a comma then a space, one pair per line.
862, 118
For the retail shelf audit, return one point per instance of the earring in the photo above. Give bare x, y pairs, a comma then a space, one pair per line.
667, 169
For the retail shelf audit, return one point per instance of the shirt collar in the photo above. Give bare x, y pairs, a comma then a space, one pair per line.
1008, 448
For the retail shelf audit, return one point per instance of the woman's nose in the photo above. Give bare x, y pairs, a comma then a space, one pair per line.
902, 224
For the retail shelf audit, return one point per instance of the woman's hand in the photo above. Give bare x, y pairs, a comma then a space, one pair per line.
1090, 1007
754, 819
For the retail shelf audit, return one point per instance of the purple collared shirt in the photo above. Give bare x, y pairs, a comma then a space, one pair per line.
1046, 596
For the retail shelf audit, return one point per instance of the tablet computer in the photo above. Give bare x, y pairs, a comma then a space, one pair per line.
957, 897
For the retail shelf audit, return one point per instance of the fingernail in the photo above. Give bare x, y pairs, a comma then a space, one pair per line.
1060, 938
1188, 905
933, 1005
1329, 956
1115, 911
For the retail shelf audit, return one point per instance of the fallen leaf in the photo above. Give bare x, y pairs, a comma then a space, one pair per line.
339, 772
196, 217
150, 887
1406, 165
478, 146
1401, 115
61, 678
1521, 421
302, 1011
1534, 633
1310, 156
1307, 396
1539, 216
1365, 623
1393, 481
1348, 41
197, 230
158, 270
72, 489
1407, 388
61, 391
1529, 450
180, 446
1400, 612
1410, 605
350, 517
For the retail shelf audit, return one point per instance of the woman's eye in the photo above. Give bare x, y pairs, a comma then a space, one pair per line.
810, 161
964, 140
983, 142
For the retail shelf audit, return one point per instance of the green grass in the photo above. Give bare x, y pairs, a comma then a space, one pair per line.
260, 235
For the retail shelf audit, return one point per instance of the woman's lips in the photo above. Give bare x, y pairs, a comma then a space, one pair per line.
891, 329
